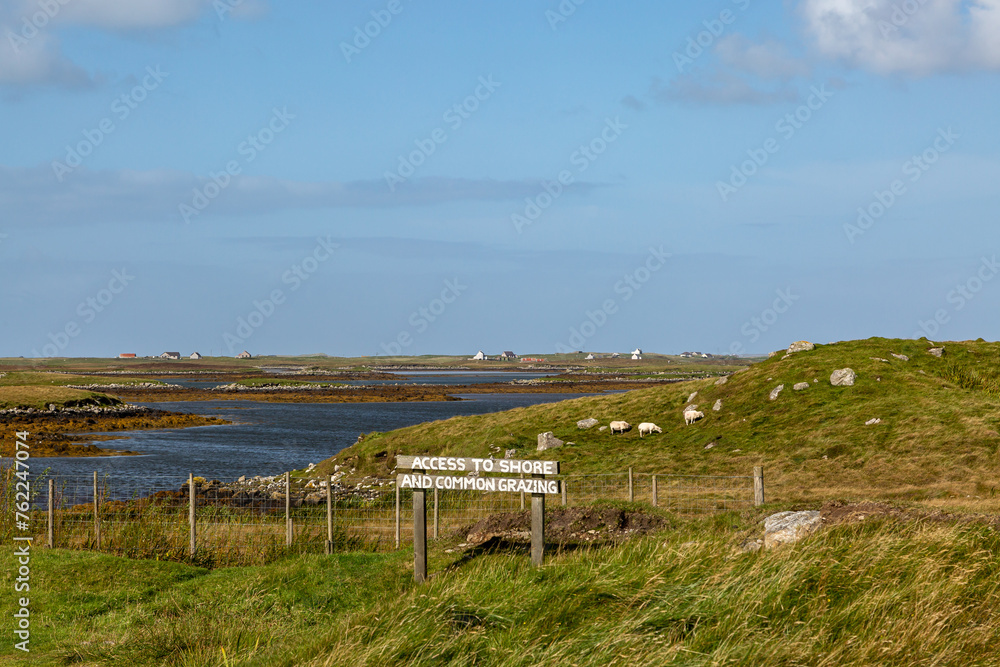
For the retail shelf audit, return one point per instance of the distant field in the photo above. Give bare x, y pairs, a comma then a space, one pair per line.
651, 363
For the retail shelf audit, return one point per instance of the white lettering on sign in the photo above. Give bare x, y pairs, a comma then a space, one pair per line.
450, 483
461, 464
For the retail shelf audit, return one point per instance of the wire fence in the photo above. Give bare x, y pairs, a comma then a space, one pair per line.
252, 521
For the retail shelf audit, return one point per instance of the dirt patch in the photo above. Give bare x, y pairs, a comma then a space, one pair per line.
565, 526
838, 512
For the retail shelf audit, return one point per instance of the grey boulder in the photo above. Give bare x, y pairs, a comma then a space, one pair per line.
789, 527
548, 441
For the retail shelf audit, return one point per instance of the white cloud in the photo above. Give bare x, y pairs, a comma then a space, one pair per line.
38, 61
917, 37
30, 54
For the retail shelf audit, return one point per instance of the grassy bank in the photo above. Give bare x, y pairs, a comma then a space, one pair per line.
881, 591
40, 397
938, 440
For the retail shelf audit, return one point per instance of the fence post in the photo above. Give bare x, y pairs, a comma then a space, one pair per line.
419, 533
537, 526
97, 516
631, 488
397, 516
655, 494
522, 493
758, 485
329, 514
192, 503
564, 493
436, 513
52, 514
288, 510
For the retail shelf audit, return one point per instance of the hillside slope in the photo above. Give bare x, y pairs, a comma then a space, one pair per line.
939, 436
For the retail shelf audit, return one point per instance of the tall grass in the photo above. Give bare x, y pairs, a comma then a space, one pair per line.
878, 592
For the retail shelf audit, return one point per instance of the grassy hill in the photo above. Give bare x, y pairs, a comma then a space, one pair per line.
938, 440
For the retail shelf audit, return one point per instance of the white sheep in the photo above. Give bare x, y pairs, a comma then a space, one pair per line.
691, 416
621, 427
649, 427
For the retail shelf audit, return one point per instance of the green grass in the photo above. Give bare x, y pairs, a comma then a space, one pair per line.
37, 379
879, 592
939, 440
40, 397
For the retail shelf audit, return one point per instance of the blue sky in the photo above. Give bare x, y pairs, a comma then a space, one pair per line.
537, 176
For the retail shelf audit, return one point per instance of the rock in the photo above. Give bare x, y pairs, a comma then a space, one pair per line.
691, 397
879, 359
843, 377
603, 428
789, 527
710, 445
800, 346
510, 453
936, 351
718, 405
548, 441
722, 380
771, 354
587, 423
691, 408
750, 546
901, 357
473, 473
815, 380
799, 386
873, 420
776, 391
315, 498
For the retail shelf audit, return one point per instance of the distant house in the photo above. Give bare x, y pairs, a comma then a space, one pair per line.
195, 356
127, 355
170, 355
637, 351
480, 356
243, 355
531, 359
615, 355
589, 357
636, 357
508, 355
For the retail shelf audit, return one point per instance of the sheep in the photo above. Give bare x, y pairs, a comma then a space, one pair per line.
648, 427
621, 427
691, 416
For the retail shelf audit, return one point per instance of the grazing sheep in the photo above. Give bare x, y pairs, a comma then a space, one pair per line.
648, 427
621, 427
691, 416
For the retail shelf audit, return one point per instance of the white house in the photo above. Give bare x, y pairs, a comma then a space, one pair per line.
508, 355
170, 355
243, 355
636, 357
480, 356
637, 351
195, 356
590, 357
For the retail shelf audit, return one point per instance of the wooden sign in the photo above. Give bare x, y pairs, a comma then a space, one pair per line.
462, 464
456, 483
536, 485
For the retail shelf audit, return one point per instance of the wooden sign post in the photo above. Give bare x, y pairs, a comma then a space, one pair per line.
419, 480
